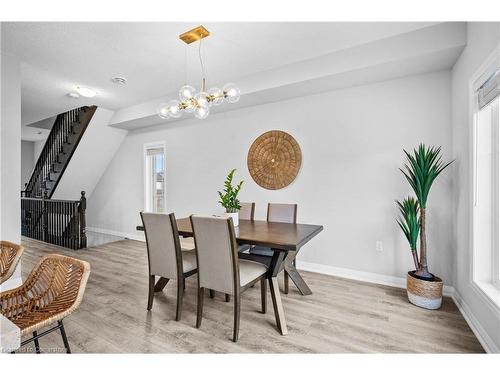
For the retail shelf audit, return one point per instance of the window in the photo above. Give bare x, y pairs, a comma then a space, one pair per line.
154, 175
486, 200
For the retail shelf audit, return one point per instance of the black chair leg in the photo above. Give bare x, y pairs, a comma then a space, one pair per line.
228, 297
199, 312
285, 275
151, 291
236, 328
180, 295
37, 344
64, 337
263, 295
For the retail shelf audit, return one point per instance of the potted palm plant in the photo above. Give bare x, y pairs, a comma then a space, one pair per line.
423, 166
229, 197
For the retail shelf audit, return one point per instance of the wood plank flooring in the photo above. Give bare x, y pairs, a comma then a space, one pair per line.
340, 316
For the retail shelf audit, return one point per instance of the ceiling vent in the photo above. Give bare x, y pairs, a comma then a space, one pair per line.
119, 80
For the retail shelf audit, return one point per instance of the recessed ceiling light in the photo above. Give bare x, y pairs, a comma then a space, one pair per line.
85, 91
73, 95
119, 80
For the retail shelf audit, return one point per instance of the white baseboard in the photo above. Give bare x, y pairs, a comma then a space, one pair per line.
137, 237
370, 277
476, 327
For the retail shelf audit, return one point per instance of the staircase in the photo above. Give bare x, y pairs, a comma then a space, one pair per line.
61, 143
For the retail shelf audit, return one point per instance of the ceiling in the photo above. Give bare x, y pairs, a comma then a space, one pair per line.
56, 56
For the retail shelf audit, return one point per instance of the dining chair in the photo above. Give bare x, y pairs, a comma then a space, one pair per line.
53, 290
165, 256
219, 267
246, 212
279, 213
10, 254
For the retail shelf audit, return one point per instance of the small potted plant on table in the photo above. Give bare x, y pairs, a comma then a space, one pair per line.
423, 166
229, 197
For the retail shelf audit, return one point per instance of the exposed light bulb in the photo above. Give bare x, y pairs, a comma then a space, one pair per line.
174, 109
189, 105
163, 111
231, 92
201, 99
201, 112
217, 96
186, 93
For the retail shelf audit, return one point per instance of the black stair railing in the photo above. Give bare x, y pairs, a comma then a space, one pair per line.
59, 222
61, 143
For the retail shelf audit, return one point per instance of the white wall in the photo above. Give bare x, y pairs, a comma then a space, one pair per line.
37, 149
27, 161
10, 155
352, 142
482, 39
10, 149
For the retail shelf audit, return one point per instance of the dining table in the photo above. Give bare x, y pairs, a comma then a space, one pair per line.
284, 239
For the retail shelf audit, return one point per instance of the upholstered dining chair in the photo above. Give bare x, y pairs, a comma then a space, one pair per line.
246, 212
219, 267
165, 256
52, 291
10, 254
279, 213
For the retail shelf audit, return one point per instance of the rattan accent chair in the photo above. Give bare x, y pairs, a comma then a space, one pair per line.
10, 254
52, 291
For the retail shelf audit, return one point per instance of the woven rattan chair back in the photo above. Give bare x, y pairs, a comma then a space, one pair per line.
52, 291
10, 254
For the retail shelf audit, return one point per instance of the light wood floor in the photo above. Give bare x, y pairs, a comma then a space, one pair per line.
341, 315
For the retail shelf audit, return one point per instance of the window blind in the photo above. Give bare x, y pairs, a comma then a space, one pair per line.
154, 151
489, 89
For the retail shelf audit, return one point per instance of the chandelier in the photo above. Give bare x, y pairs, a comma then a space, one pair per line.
198, 102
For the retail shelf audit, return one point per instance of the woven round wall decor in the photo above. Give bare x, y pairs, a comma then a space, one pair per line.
274, 160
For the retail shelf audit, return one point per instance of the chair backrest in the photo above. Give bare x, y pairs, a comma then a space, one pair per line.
58, 281
163, 244
216, 253
10, 254
247, 210
282, 213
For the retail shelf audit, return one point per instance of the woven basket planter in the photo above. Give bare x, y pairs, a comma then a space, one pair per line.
424, 293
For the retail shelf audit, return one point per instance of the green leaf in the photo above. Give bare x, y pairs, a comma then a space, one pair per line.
229, 195
409, 221
421, 169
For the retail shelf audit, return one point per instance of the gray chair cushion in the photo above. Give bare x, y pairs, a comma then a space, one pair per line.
188, 260
187, 244
250, 271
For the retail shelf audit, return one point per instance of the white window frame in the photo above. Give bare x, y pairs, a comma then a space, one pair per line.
490, 292
147, 198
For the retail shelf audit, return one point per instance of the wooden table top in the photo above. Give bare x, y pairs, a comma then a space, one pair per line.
283, 236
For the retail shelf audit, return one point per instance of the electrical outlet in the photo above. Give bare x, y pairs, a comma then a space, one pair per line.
379, 246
